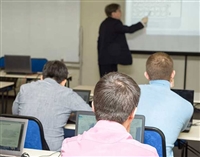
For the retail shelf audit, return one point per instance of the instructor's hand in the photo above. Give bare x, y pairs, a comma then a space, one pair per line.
144, 20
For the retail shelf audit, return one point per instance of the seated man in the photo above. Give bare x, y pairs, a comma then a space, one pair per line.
162, 107
50, 101
115, 100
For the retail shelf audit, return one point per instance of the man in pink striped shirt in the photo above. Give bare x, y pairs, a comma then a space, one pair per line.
115, 102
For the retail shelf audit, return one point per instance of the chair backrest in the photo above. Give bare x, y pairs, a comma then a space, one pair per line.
2, 65
38, 64
156, 138
35, 135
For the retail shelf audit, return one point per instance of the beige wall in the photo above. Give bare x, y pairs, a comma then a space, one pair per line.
92, 14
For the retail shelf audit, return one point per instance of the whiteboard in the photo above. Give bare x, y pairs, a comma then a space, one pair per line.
173, 26
41, 29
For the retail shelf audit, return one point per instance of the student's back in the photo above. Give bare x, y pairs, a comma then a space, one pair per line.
115, 101
103, 141
51, 102
165, 110
161, 107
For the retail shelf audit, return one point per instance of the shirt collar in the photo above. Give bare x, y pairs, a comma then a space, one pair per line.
110, 124
164, 83
50, 80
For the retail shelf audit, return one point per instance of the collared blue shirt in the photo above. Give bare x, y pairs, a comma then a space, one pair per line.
165, 110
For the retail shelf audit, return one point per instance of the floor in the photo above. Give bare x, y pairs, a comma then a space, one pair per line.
177, 152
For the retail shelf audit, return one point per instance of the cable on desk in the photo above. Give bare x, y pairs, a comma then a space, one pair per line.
197, 107
196, 124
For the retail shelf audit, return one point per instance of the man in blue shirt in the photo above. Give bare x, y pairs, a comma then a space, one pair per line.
162, 107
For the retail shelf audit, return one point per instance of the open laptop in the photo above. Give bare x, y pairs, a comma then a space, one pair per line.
12, 136
86, 119
84, 94
189, 96
17, 64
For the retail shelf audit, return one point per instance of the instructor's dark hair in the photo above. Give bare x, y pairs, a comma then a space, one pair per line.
56, 70
109, 9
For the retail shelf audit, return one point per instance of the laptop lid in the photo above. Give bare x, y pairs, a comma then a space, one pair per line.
12, 133
186, 94
84, 94
86, 119
17, 64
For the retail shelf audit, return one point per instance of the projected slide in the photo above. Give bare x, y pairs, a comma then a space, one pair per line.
173, 25
166, 16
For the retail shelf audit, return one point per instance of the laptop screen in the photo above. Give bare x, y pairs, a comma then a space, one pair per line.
12, 133
17, 64
86, 119
185, 94
84, 94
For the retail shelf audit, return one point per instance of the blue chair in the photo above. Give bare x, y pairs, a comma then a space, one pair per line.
38, 64
2, 65
34, 134
155, 137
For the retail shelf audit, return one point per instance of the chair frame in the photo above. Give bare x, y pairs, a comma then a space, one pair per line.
148, 128
43, 141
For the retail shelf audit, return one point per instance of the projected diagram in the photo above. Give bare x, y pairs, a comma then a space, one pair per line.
172, 16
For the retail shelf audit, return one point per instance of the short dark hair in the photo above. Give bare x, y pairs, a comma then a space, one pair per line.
159, 66
109, 9
116, 96
56, 70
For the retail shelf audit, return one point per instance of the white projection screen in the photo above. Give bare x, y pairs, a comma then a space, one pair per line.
173, 25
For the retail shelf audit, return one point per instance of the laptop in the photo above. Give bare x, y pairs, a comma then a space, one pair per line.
84, 94
189, 96
17, 64
12, 133
86, 119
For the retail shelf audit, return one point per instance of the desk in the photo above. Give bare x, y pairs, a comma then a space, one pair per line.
91, 88
26, 76
34, 76
197, 97
4, 88
194, 134
37, 153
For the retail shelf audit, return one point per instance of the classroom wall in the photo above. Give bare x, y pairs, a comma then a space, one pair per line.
92, 14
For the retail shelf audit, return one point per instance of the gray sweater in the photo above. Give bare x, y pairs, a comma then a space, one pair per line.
52, 104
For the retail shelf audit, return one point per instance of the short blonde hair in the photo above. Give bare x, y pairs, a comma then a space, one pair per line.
159, 66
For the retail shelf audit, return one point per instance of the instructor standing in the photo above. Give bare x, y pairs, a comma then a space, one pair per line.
112, 45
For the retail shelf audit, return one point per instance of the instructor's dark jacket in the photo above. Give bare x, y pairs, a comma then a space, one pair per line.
112, 44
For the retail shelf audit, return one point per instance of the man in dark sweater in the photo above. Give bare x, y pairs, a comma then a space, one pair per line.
112, 45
